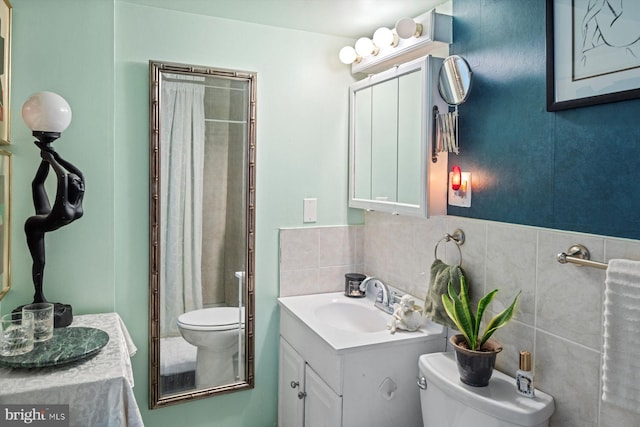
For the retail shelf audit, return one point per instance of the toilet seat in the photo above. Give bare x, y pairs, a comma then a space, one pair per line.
211, 319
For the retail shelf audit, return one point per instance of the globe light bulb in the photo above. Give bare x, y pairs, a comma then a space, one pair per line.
348, 55
46, 112
384, 37
365, 47
407, 28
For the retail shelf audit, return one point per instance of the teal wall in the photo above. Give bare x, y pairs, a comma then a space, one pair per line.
569, 170
95, 53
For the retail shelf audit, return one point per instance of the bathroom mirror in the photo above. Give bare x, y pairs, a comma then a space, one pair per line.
202, 221
454, 85
390, 141
454, 80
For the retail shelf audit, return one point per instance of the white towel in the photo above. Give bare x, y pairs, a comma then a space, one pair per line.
621, 365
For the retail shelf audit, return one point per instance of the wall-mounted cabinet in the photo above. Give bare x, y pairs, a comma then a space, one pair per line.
390, 139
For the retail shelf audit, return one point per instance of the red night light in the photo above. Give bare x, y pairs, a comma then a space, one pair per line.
456, 178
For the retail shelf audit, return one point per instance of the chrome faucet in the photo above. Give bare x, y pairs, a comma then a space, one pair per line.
383, 295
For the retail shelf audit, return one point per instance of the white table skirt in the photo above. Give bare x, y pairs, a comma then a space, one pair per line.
99, 390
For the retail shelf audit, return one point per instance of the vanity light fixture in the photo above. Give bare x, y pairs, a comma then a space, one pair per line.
348, 55
48, 114
365, 47
407, 28
384, 37
456, 178
412, 38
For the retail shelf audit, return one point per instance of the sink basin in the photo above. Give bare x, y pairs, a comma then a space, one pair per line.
349, 323
352, 317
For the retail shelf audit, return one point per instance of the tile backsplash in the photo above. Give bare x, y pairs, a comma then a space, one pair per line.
315, 260
559, 317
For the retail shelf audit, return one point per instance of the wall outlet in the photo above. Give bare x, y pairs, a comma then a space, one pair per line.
461, 197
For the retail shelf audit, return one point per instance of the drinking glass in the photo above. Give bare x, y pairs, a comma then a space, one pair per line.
16, 334
42, 320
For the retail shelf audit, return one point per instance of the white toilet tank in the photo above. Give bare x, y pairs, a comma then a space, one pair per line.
447, 402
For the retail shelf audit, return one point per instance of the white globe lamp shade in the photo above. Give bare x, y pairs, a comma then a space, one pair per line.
407, 28
348, 55
46, 112
384, 37
365, 47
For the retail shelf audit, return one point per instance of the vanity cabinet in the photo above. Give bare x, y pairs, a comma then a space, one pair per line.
390, 140
334, 377
304, 399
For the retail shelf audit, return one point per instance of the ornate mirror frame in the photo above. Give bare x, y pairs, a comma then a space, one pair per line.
156, 69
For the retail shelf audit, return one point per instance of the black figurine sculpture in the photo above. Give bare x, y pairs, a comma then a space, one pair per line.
67, 206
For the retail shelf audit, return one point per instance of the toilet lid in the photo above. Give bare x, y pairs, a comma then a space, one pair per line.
215, 318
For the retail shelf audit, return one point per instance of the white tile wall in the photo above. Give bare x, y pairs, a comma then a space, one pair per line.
559, 318
315, 260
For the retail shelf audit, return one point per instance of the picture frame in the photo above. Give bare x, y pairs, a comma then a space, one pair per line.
5, 221
5, 71
593, 52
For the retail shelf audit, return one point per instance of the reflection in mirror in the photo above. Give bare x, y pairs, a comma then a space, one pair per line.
454, 80
384, 141
202, 170
362, 127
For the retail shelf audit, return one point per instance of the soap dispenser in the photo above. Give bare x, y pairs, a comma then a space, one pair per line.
524, 376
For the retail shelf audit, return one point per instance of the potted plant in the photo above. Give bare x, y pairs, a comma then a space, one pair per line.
475, 353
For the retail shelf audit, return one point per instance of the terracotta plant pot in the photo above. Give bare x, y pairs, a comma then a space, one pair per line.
475, 367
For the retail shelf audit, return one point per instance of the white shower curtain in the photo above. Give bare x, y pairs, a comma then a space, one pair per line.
182, 165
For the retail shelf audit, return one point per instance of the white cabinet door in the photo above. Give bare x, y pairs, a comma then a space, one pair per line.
290, 383
384, 141
391, 141
322, 407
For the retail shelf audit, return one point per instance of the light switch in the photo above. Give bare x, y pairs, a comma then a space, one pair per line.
310, 210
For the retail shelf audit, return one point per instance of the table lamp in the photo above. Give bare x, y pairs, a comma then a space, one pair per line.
48, 114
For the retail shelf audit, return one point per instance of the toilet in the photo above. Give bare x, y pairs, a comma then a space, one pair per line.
447, 402
215, 332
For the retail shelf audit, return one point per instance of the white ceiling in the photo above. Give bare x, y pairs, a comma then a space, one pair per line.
347, 18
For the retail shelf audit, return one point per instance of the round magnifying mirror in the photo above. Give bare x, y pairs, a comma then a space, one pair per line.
454, 80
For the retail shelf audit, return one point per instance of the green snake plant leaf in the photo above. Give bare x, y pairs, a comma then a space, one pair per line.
482, 306
462, 311
447, 303
499, 320
458, 308
466, 304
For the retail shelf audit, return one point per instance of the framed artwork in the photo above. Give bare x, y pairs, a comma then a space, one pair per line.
5, 70
593, 52
5, 221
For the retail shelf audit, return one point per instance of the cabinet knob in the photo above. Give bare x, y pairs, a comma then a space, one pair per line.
294, 384
302, 395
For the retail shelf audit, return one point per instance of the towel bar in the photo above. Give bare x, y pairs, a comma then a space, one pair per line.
579, 254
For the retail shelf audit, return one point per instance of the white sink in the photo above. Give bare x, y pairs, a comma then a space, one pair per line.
349, 323
352, 317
